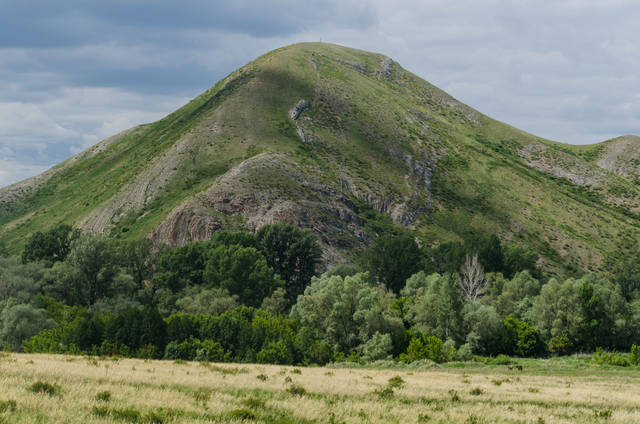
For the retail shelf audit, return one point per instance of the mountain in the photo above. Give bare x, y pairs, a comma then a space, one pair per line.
328, 137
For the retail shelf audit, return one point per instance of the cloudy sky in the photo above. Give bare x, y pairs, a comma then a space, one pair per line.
75, 72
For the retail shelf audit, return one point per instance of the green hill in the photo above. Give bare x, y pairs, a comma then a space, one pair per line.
320, 135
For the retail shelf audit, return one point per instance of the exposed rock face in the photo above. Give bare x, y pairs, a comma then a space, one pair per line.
622, 156
141, 191
386, 68
300, 107
283, 193
561, 165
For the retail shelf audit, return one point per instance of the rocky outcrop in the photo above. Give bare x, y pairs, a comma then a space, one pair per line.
297, 110
386, 68
561, 165
142, 190
621, 156
265, 189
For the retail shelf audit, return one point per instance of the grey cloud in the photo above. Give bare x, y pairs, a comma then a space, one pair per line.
43, 23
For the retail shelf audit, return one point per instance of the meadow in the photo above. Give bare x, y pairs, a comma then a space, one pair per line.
38, 388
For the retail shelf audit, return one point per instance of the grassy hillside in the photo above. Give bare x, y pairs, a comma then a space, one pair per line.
373, 134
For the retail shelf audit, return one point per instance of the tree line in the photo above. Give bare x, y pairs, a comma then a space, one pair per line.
258, 298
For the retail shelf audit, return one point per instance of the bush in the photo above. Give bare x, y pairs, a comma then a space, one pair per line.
463, 353
634, 356
276, 352
148, 352
45, 388
384, 392
126, 414
520, 338
602, 357
242, 414
19, 322
8, 406
185, 350
560, 345
209, 350
396, 382
297, 390
319, 353
425, 348
501, 360
379, 346
104, 396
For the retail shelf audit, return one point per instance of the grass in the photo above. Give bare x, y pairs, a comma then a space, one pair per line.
558, 390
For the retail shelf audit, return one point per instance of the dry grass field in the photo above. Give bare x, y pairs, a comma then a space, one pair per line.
68, 389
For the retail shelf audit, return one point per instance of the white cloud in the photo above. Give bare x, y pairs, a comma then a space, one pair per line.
12, 172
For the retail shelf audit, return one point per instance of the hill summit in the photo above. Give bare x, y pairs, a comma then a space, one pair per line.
334, 139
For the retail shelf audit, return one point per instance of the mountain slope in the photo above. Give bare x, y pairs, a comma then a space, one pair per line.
315, 134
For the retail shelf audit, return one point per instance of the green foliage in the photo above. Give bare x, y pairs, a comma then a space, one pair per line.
602, 357
379, 346
202, 300
292, 252
136, 328
93, 262
626, 274
312, 350
181, 267
519, 258
195, 350
296, 390
242, 414
243, 271
391, 259
560, 344
137, 259
421, 347
477, 391
104, 396
276, 303
437, 308
20, 282
634, 356
396, 382
275, 352
385, 392
18, 322
44, 388
520, 338
484, 329
348, 311
515, 295
449, 257
8, 406
342, 270
51, 246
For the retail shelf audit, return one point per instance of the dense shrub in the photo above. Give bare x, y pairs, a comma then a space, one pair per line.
520, 338
634, 356
600, 356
